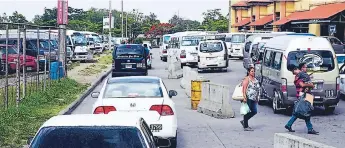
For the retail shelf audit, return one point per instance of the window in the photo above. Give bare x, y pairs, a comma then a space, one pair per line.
211, 47
316, 60
30, 46
133, 90
277, 61
267, 59
148, 134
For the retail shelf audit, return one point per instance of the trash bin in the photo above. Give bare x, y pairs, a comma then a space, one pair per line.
56, 70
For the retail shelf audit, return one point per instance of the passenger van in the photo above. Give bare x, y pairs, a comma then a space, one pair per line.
163, 48
212, 54
130, 60
277, 82
251, 43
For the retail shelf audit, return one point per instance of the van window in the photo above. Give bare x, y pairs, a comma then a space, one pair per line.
238, 38
316, 60
228, 39
211, 47
247, 46
277, 61
267, 59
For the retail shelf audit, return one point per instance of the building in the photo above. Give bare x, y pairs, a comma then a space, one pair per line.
320, 17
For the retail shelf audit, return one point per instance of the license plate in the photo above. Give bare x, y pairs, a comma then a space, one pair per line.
209, 58
28, 68
128, 66
156, 127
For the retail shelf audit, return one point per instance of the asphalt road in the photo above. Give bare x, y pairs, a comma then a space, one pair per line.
198, 130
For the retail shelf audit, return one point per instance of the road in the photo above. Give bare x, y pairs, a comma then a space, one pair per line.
198, 130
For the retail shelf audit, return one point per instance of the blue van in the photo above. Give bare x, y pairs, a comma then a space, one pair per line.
130, 60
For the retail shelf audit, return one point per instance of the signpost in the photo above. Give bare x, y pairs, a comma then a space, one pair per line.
62, 21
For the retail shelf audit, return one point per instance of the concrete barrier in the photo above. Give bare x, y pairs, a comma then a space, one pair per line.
174, 64
184, 74
285, 140
215, 101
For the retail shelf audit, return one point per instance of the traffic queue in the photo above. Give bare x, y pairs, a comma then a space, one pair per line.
142, 109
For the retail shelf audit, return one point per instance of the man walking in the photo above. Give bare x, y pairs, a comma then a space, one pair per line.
301, 87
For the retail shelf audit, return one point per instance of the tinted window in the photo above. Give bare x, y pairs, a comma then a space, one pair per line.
166, 39
267, 58
10, 49
124, 51
316, 60
211, 47
88, 137
238, 38
189, 43
277, 61
133, 90
340, 59
228, 39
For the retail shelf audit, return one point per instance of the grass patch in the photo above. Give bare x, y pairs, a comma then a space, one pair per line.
17, 124
73, 65
90, 70
107, 59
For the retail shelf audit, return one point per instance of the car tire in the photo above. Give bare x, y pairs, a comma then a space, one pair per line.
183, 64
275, 102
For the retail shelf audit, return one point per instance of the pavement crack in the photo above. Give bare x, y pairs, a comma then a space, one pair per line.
215, 135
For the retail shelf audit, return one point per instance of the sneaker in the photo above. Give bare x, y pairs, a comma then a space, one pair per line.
248, 129
313, 132
289, 128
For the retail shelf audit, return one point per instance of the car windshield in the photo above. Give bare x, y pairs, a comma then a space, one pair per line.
211, 47
45, 44
228, 39
125, 51
316, 60
189, 43
88, 137
79, 39
10, 49
340, 59
54, 43
133, 90
97, 38
238, 38
166, 39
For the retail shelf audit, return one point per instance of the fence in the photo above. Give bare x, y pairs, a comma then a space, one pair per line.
28, 61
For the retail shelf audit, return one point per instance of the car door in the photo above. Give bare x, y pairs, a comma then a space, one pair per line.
147, 134
266, 73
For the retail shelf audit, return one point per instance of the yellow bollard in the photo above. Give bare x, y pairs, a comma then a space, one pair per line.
196, 93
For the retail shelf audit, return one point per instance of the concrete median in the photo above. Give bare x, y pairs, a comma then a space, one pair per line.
284, 140
215, 101
188, 76
174, 65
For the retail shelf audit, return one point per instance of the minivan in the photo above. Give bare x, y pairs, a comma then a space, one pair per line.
277, 79
130, 60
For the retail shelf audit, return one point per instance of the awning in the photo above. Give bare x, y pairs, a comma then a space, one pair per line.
320, 12
242, 23
262, 21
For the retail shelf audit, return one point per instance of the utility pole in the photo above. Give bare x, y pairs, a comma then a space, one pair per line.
110, 17
62, 20
122, 18
126, 25
229, 27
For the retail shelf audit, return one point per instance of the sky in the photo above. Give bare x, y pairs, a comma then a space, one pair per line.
164, 9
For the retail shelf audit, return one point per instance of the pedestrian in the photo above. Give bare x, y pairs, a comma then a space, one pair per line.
250, 90
302, 86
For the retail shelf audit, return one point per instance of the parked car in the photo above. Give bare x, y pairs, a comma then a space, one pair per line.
31, 62
95, 131
146, 96
338, 46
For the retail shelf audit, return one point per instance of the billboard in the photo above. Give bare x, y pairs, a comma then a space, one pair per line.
62, 12
106, 24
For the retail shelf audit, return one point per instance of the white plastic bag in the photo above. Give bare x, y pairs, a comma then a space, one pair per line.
244, 109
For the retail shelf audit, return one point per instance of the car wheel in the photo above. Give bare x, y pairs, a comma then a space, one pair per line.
275, 102
329, 110
183, 64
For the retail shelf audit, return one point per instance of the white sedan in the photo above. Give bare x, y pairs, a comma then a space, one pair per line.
95, 131
144, 95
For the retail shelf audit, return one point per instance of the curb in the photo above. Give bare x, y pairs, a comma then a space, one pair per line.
76, 103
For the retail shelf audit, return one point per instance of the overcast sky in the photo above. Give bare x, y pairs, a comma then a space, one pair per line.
164, 9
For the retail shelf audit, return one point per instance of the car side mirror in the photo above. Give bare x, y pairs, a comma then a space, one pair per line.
95, 94
196, 48
161, 142
172, 93
28, 142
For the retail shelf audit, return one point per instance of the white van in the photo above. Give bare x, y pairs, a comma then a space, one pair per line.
164, 45
277, 82
212, 54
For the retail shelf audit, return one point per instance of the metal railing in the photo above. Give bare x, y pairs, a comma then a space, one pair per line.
28, 61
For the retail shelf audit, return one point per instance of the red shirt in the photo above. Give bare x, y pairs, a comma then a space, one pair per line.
298, 87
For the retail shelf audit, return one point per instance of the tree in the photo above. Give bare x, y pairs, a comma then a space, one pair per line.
17, 18
214, 21
158, 30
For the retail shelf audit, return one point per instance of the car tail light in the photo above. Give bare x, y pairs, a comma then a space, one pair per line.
104, 109
284, 85
183, 54
163, 110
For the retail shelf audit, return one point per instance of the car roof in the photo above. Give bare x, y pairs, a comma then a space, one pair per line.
151, 79
93, 120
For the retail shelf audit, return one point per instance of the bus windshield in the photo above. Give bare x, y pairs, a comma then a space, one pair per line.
79, 39
238, 38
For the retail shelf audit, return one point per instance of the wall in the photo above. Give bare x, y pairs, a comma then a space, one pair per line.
270, 8
264, 12
302, 5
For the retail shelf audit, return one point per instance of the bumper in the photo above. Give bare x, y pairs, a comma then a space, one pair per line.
236, 54
164, 55
221, 64
169, 127
134, 73
80, 57
317, 101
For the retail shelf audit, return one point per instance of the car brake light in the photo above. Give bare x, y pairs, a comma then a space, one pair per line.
183, 54
163, 110
104, 109
284, 85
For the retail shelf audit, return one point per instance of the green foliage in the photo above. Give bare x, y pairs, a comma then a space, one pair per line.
17, 124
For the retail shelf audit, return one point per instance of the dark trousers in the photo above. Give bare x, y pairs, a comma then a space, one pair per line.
253, 110
307, 122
